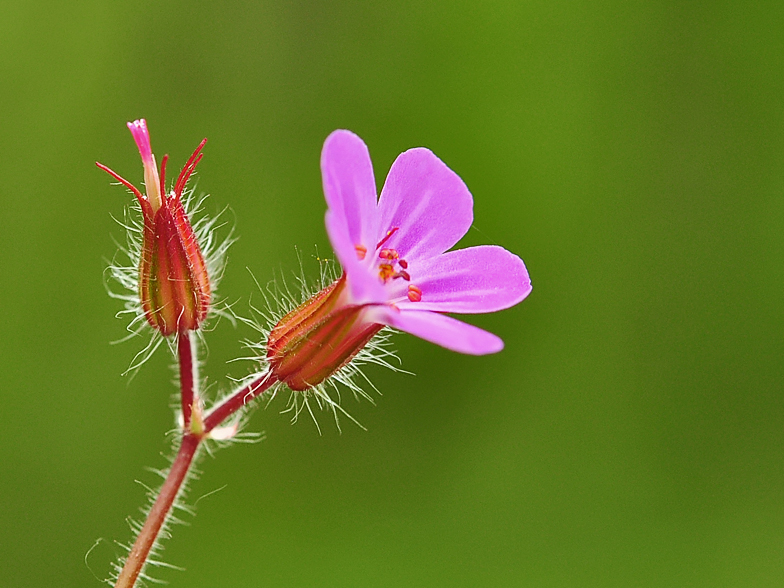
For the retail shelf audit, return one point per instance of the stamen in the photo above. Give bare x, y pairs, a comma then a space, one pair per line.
388, 254
385, 272
361, 251
403, 263
390, 232
414, 293
402, 274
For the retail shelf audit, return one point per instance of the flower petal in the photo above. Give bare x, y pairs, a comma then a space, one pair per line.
141, 136
350, 187
364, 286
441, 330
478, 279
428, 203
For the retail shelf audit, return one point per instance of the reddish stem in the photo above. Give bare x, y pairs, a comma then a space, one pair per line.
237, 400
140, 551
157, 516
187, 365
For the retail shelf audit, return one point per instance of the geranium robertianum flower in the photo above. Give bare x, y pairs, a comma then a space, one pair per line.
174, 285
397, 267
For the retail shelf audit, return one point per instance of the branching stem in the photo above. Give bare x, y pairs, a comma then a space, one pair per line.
189, 445
237, 400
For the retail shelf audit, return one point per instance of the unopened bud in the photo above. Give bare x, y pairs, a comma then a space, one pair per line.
174, 286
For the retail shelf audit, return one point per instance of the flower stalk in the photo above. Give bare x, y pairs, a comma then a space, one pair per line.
188, 377
238, 400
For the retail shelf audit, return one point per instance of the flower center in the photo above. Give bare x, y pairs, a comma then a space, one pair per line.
391, 266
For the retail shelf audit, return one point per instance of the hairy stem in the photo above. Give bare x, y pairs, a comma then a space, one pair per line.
189, 381
188, 365
137, 558
237, 400
156, 518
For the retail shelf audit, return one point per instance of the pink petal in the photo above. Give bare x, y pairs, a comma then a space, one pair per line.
363, 285
141, 136
427, 201
478, 279
350, 187
441, 330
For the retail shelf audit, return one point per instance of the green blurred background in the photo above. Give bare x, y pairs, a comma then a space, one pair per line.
630, 434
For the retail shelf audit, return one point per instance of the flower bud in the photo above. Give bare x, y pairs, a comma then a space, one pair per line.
174, 285
319, 337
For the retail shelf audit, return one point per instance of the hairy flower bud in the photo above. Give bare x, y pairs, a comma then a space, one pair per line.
319, 337
174, 285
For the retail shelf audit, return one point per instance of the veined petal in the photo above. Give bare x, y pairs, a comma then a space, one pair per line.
441, 330
474, 280
350, 187
428, 203
364, 286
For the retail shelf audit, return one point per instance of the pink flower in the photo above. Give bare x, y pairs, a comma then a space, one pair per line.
398, 269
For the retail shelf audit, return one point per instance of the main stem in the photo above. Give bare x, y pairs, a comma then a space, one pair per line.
157, 515
156, 518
